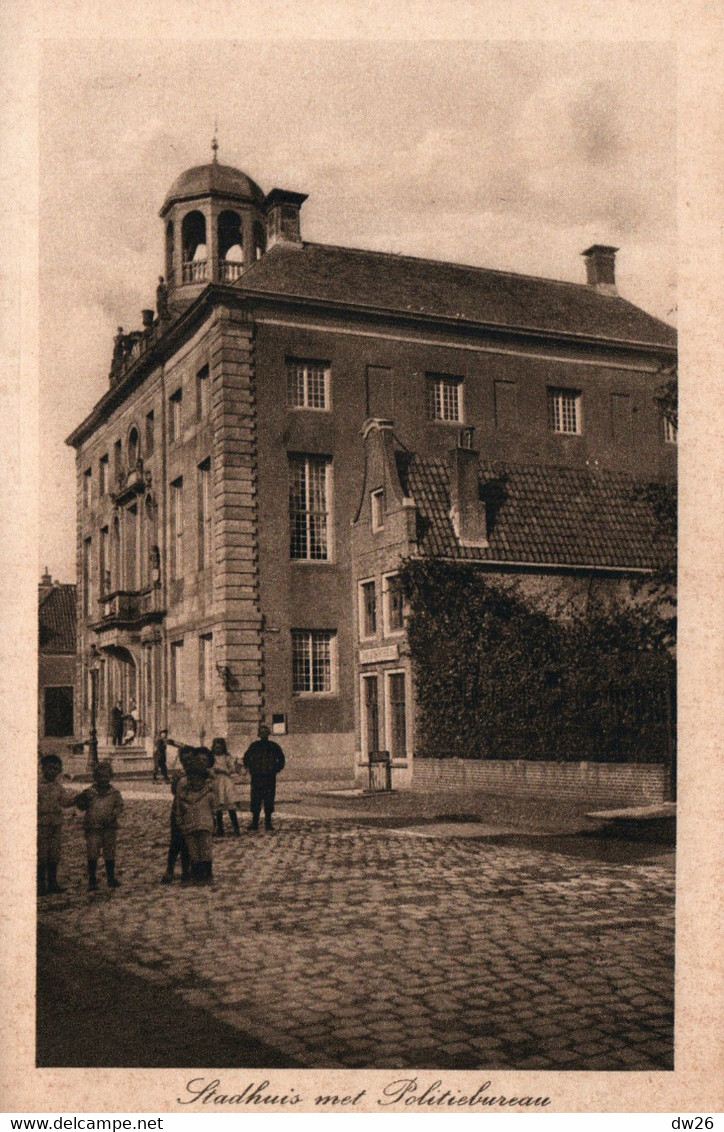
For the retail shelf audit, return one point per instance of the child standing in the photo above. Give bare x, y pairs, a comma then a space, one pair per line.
177, 842
224, 789
52, 800
102, 805
195, 815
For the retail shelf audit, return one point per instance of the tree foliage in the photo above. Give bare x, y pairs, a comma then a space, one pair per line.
497, 677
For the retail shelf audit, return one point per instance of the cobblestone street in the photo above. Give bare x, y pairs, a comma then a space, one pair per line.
341, 945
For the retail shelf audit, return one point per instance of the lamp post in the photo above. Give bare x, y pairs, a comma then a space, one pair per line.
93, 669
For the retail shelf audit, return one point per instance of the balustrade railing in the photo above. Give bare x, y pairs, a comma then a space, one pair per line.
194, 271
230, 270
129, 605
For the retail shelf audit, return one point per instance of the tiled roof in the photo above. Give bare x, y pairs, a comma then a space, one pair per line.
541, 515
407, 285
56, 617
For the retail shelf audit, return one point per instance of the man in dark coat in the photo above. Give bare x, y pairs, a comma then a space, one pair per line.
117, 724
263, 759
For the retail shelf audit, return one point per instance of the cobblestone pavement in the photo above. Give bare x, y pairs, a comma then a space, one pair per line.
341, 945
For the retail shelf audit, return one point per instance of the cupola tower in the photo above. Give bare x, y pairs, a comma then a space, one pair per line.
214, 227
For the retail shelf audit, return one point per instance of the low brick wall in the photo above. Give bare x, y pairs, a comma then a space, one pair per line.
594, 783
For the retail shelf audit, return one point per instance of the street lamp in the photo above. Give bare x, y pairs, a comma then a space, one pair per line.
94, 667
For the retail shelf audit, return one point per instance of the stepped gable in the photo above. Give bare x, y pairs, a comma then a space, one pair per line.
423, 287
541, 515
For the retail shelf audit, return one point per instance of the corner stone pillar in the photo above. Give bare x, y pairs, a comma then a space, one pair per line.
238, 648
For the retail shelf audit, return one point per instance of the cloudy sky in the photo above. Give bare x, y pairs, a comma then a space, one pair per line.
511, 155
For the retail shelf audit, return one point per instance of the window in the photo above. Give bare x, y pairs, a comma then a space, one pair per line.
307, 384
396, 715
444, 398
368, 609
177, 527
309, 507
202, 393
393, 604
370, 714
312, 660
87, 577
377, 503
134, 448
206, 666
564, 411
103, 476
87, 487
117, 461
58, 711
176, 674
104, 580
670, 431
204, 514
174, 416
150, 436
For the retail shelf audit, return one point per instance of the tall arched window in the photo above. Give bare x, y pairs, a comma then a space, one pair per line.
231, 247
134, 448
193, 238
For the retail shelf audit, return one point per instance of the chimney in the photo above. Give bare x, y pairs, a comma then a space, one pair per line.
147, 318
282, 218
467, 509
601, 268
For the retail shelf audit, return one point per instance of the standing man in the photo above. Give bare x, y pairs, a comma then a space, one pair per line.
263, 759
159, 755
117, 724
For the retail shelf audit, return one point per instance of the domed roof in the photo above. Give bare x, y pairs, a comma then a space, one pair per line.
212, 180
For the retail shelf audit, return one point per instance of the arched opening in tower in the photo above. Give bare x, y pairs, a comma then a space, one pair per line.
193, 237
231, 246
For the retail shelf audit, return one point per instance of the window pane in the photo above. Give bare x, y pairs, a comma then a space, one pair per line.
308, 507
395, 604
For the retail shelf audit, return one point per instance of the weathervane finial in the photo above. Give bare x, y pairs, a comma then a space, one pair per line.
214, 141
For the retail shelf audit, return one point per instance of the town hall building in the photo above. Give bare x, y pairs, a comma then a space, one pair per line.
294, 418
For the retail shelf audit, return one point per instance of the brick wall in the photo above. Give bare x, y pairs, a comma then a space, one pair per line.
597, 783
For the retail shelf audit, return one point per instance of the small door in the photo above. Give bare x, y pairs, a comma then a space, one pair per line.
58, 711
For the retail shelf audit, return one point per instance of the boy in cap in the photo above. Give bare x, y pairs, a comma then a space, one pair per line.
52, 800
102, 805
195, 814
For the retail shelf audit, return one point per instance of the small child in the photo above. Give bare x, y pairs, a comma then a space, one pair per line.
225, 793
52, 800
102, 805
177, 842
195, 815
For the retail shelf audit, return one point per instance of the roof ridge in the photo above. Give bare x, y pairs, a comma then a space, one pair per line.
585, 287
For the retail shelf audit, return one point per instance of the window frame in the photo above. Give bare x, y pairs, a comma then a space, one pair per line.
150, 432
175, 421
103, 475
306, 366
175, 671
204, 525
557, 412
387, 629
176, 527
203, 393
206, 667
377, 509
331, 642
435, 398
387, 677
294, 460
363, 588
88, 489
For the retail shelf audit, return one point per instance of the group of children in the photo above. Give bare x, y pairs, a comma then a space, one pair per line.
101, 804
200, 797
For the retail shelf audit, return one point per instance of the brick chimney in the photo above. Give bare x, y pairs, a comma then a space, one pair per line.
601, 268
282, 217
467, 509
